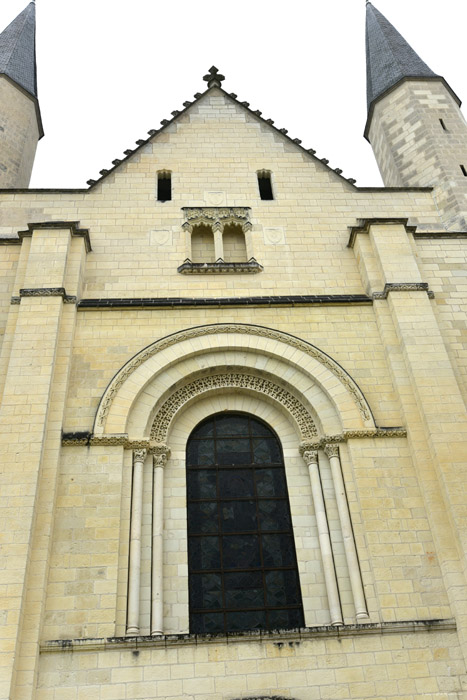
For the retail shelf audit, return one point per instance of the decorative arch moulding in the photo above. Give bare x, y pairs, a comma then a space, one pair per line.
197, 388
221, 329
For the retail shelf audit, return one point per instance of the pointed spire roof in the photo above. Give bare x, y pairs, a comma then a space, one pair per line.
390, 59
18, 50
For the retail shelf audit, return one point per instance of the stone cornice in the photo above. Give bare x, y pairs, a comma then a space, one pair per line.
44, 292
441, 234
364, 226
395, 432
73, 226
403, 287
174, 302
301, 635
219, 267
84, 439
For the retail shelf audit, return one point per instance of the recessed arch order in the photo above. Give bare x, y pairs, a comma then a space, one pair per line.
146, 394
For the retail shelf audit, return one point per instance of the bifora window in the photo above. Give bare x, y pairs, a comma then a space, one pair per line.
242, 563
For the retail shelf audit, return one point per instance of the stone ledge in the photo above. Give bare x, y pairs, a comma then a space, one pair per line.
87, 438
364, 226
164, 302
219, 267
275, 636
45, 292
73, 226
403, 287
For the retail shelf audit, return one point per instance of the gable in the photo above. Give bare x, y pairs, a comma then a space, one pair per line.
219, 130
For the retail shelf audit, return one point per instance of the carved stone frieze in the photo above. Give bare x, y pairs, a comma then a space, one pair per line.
328, 441
216, 217
219, 267
173, 404
216, 213
75, 442
376, 433
110, 440
403, 287
245, 329
45, 292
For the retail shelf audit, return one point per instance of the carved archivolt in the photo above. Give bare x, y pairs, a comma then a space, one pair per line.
175, 402
203, 331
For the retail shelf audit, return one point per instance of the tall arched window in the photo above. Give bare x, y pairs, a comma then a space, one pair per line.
242, 563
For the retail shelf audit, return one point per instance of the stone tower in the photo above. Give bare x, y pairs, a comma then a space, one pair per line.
20, 119
415, 126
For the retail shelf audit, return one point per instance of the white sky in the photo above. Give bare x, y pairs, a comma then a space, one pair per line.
110, 70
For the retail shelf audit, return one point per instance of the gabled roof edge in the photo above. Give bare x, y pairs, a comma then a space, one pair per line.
245, 105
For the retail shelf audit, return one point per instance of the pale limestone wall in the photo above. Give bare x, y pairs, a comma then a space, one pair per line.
403, 493
417, 666
8, 265
104, 341
444, 267
398, 559
413, 149
19, 135
312, 210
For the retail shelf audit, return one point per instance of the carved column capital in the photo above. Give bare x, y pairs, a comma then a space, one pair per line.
310, 457
139, 455
332, 450
160, 455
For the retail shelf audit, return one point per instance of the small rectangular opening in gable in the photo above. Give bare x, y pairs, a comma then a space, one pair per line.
265, 184
164, 186
464, 171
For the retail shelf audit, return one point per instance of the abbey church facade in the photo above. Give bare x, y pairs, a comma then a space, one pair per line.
233, 429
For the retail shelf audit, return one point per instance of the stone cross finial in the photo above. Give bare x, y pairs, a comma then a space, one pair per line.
214, 78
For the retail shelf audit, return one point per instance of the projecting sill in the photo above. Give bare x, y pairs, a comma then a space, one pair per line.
219, 267
275, 636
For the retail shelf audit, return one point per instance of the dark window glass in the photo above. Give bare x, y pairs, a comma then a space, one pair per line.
241, 552
164, 187
265, 185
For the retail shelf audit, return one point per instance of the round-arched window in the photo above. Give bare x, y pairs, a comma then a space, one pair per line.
242, 564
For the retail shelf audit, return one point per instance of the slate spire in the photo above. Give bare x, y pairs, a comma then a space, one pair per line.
18, 50
389, 58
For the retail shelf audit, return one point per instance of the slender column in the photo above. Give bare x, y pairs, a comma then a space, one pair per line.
188, 251
160, 456
332, 451
135, 543
311, 460
248, 240
218, 243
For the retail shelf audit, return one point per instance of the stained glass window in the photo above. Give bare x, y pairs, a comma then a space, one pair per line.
241, 552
